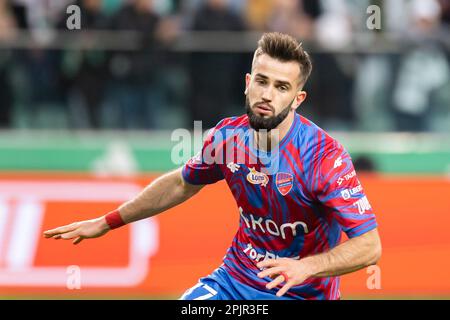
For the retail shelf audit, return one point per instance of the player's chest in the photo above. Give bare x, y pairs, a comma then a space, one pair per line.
267, 186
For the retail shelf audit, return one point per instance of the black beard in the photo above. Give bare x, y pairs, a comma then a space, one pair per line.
259, 123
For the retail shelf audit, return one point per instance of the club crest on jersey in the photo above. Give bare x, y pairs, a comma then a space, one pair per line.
284, 182
255, 177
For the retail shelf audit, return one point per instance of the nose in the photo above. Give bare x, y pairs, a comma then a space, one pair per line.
267, 94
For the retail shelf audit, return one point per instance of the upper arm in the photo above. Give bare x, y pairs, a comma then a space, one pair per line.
203, 168
187, 187
341, 193
371, 240
372, 237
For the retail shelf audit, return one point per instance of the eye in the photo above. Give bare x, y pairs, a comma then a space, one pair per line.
283, 88
260, 81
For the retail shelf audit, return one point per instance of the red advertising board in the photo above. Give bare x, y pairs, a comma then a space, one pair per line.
167, 254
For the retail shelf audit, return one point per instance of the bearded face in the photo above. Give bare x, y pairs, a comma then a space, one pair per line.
266, 122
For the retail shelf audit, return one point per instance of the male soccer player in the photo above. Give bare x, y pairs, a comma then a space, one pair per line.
295, 188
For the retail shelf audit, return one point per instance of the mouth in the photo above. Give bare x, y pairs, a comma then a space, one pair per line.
263, 108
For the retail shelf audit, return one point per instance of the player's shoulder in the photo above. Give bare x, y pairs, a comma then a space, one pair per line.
226, 129
318, 141
233, 123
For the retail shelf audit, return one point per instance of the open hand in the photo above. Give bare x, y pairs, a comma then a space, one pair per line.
79, 230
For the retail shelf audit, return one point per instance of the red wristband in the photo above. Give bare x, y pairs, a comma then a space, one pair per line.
114, 220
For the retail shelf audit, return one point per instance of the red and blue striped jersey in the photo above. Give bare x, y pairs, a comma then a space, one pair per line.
294, 201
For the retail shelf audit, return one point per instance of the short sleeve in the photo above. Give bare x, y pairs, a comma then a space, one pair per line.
202, 169
342, 194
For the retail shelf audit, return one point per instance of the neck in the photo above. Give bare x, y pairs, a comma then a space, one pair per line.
266, 140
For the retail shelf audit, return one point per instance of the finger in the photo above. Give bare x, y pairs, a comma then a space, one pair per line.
57, 236
70, 235
268, 263
278, 280
285, 288
49, 234
270, 272
78, 240
59, 230
52, 232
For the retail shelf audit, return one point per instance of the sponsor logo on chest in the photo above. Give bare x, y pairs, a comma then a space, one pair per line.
255, 177
284, 182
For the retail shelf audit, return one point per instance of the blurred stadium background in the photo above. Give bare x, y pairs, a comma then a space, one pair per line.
87, 115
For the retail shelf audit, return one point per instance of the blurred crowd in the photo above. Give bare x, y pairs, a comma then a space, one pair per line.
400, 87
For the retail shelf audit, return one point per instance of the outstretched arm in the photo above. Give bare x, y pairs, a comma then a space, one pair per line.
351, 255
164, 193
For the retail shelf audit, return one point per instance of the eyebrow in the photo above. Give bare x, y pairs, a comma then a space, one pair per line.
286, 83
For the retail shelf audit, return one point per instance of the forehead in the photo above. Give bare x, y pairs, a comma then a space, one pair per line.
275, 69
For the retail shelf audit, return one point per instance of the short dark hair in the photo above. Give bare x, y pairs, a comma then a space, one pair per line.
285, 48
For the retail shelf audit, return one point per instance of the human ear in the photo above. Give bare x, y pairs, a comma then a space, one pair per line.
300, 97
248, 77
